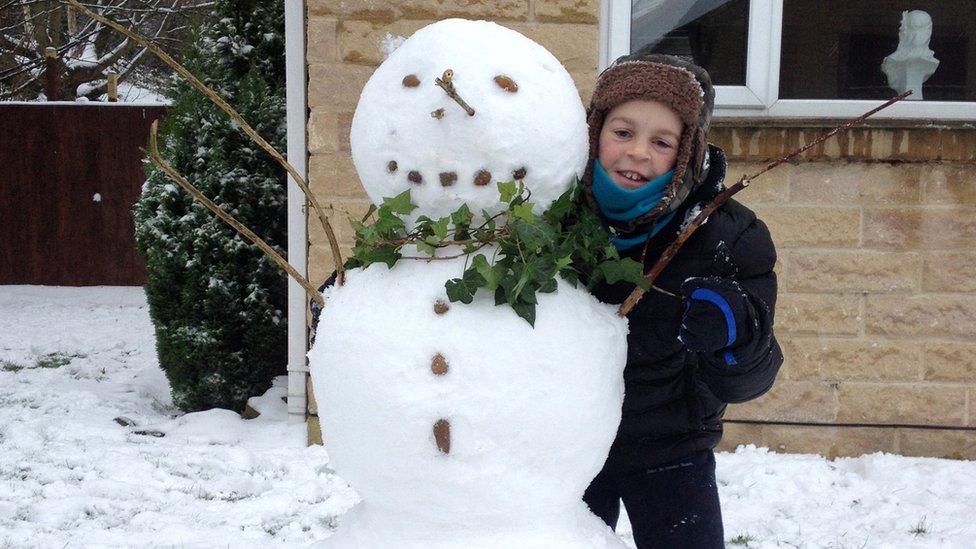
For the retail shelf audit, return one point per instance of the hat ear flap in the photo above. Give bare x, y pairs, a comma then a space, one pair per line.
698, 151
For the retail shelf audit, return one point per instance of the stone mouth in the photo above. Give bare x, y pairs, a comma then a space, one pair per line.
481, 178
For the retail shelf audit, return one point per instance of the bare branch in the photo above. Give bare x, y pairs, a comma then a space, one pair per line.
245, 127
219, 101
672, 250
226, 217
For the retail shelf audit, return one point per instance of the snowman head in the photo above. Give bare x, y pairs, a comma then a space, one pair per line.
528, 123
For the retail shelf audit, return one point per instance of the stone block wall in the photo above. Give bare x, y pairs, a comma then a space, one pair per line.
876, 235
876, 232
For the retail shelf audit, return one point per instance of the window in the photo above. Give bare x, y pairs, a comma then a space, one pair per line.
812, 58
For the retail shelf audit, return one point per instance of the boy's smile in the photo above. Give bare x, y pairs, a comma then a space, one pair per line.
639, 141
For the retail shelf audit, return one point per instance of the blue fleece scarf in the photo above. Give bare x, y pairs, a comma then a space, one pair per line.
620, 204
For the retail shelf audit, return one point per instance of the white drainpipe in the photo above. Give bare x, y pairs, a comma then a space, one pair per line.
297, 228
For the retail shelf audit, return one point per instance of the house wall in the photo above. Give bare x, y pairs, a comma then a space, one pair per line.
875, 232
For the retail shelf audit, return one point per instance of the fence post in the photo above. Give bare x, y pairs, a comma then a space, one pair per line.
113, 87
52, 73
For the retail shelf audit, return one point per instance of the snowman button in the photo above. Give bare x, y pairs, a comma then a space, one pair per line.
415, 177
519, 173
442, 435
391, 166
440, 307
438, 365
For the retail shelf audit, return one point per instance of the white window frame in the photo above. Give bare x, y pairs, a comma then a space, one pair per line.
759, 97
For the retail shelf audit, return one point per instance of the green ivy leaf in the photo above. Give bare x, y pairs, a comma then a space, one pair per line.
525, 311
462, 216
383, 254
426, 248
356, 224
400, 203
387, 224
523, 211
506, 191
626, 270
457, 290
491, 273
369, 212
463, 289
570, 276
568, 240
535, 234
549, 286
440, 228
562, 206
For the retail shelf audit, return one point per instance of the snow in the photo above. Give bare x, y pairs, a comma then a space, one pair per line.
390, 43
130, 92
541, 127
532, 411
71, 477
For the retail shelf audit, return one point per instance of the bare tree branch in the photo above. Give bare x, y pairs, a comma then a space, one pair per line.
245, 127
631, 301
226, 217
27, 27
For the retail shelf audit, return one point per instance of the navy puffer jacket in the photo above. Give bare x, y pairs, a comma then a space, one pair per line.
675, 398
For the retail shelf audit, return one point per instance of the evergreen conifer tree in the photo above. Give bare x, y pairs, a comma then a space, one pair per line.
217, 303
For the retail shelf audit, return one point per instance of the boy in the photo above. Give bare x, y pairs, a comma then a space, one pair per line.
707, 339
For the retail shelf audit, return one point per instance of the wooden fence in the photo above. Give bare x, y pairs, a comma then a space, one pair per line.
69, 175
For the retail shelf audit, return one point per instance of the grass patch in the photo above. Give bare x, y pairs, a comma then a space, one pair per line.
920, 529
8, 366
56, 360
741, 539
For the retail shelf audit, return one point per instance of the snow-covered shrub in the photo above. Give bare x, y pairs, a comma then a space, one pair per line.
217, 303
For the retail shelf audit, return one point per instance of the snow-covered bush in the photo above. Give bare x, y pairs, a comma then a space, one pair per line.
217, 303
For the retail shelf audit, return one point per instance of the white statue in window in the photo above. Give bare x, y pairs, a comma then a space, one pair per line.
912, 63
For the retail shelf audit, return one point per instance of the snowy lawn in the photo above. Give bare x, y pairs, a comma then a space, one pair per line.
74, 359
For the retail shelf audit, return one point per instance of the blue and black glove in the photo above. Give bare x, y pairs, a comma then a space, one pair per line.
718, 314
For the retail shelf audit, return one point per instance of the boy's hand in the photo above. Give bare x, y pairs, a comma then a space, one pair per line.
717, 314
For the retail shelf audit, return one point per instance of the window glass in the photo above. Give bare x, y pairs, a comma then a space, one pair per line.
712, 33
837, 49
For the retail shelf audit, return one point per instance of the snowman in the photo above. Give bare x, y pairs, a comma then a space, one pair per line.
462, 426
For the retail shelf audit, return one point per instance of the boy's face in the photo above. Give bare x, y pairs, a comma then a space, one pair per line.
639, 141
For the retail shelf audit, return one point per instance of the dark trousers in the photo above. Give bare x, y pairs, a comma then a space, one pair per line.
675, 505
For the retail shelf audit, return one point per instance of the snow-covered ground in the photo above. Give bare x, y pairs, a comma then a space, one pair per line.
72, 360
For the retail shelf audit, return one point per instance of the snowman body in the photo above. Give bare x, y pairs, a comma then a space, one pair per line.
460, 425
532, 411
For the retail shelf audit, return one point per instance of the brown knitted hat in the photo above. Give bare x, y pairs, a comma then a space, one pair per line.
683, 87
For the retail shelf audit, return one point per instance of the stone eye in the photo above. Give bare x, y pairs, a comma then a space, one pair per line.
506, 83
411, 81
